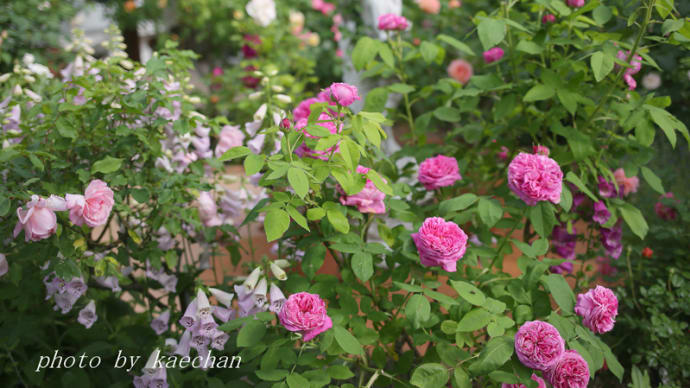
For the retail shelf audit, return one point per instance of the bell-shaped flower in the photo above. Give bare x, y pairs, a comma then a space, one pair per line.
4, 267
183, 346
223, 314
203, 307
260, 293
87, 315
219, 340
150, 366
160, 323
189, 318
252, 279
224, 298
277, 299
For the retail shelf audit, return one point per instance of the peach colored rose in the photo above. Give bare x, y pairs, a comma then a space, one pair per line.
460, 70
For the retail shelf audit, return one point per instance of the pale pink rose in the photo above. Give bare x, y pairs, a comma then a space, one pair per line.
430, 6
38, 220
393, 22
439, 171
460, 70
342, 93
231, 136
94, 207
569, 371
208, 211
666, 212
440, 243
598, 308
538, 345
535, 178
539, 380
627, 185
305, 313
368, 200
493, 55
576, 3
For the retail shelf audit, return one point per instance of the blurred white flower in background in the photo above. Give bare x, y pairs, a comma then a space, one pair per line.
651, 81
262, 11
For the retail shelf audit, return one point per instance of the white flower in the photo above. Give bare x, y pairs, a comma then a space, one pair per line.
651, 81
261, 113
262, 11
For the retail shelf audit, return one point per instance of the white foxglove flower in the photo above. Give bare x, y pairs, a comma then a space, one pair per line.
252, 279
150, 366
224, 298
261, 113
277, 299
260, 293
278, 272
283, 98
203, 307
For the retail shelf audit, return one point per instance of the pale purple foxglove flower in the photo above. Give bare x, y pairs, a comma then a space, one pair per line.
64, 302
601, 213
223, 314
253, 127
159, 379
242, 292
277, 299
53, 285
182, 348
150, 366
110, 282
219, 340
164, 163
257, 143
183, 159
232, 204
169, 282
254, 179
260, 293
160, 323
203, 307
87, 315
141, 381
252, 279
4, 267
200, 341
224, 298
246, 305
204, 353
153, 273
189, 318
76, 287
202, 146
126, 271
170, 345
207, 326
165, 240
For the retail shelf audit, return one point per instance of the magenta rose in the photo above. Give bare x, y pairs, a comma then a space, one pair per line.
548, 18
230, 136
342, 93
93, 208
368, 200
305, 313
538, 345
665, 212
535, 178
38, 220
598, 308
493, 55
326, 122
539, 380
576, 3
440, 243
303, 109
439, 171
569, 371
392, 22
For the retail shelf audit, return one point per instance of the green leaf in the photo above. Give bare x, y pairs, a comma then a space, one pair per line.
315, 213
418, 310
458, 203
462, 379
141, 195
253, 164
364, 52
401, 88
65, 129
429, 51
456, 43
294, 380
446, 113
490, 211
443, 298
496, 353
298, 180
363, 265
612, 362
469, 292
491, 32
561, 292
379, 182
376, 100
566, 198
234, 153
430, 375
106, 165
276, 223
36, 162
539, 92
386, 54
574, 179
543, 218
635, 220
668, 123
653, 180
602, 14
5, 204
251, 333
529, 47
298, 217
602, 64
338, 220
339, 372
474, 320
313, 259
272, 375
346, 340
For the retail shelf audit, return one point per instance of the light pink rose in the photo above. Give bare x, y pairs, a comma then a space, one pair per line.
231, 136
460, 70
392, 22
598, 308
38, 220
539, 380
538, 345
208, 211
569, 371
440, 243
628, 185
430, 6
454, 4
342, 93
305, 313
92, 208
439, 171
535, 178
636, 65
493, 55
368, 200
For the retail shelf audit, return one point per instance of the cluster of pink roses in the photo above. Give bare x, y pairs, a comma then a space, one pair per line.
393, 22
38, 219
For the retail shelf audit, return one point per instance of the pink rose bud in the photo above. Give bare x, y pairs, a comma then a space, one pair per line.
392, 22
538, 345
539, 380
460, 70
439, 171
598, 308
541, 150
440, 243
93, 208
576, 3
305, 313
493, 55
665, 212
569, 371
342, 93
535, 178
548, 18
503, 153
285, 123
368, 200
38, 220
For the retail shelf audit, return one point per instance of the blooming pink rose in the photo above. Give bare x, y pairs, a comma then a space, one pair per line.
569, 371
38, 220
539, 380
548, 18
342, 93
454, 4
392, 22
303, 150
230, 136
440, 243
208, 211
535, 178
628, 185
92, 208
538, 345
439, 171
666, 212
304, 108
493, 55
368, 200
305, 313
541, 150
576, 3
460, 70
429, 6
598, 308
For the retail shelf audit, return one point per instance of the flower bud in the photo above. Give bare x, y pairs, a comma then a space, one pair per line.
17, 90
260, 292
203, 307
261, 113
285, 123
277, 88
283, 98
282, 263
253, 277
278, 272
29, 79
255, 95
5, 77
195, 100
150, 366
35, 97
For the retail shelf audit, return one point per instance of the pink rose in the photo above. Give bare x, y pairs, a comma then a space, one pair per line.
305, 313
460, 70
539, 380
208, 211
628, 185
535, 178
598, 308
368, 200
92, 208
392, 22
636, 65
439, 171
576, 3
538, 345
217, 71
569, 371
229, 137
548, 18
430, 6
303, 150
38, 220
304, 108
493, 55
666, 212
440, 243
342, 93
